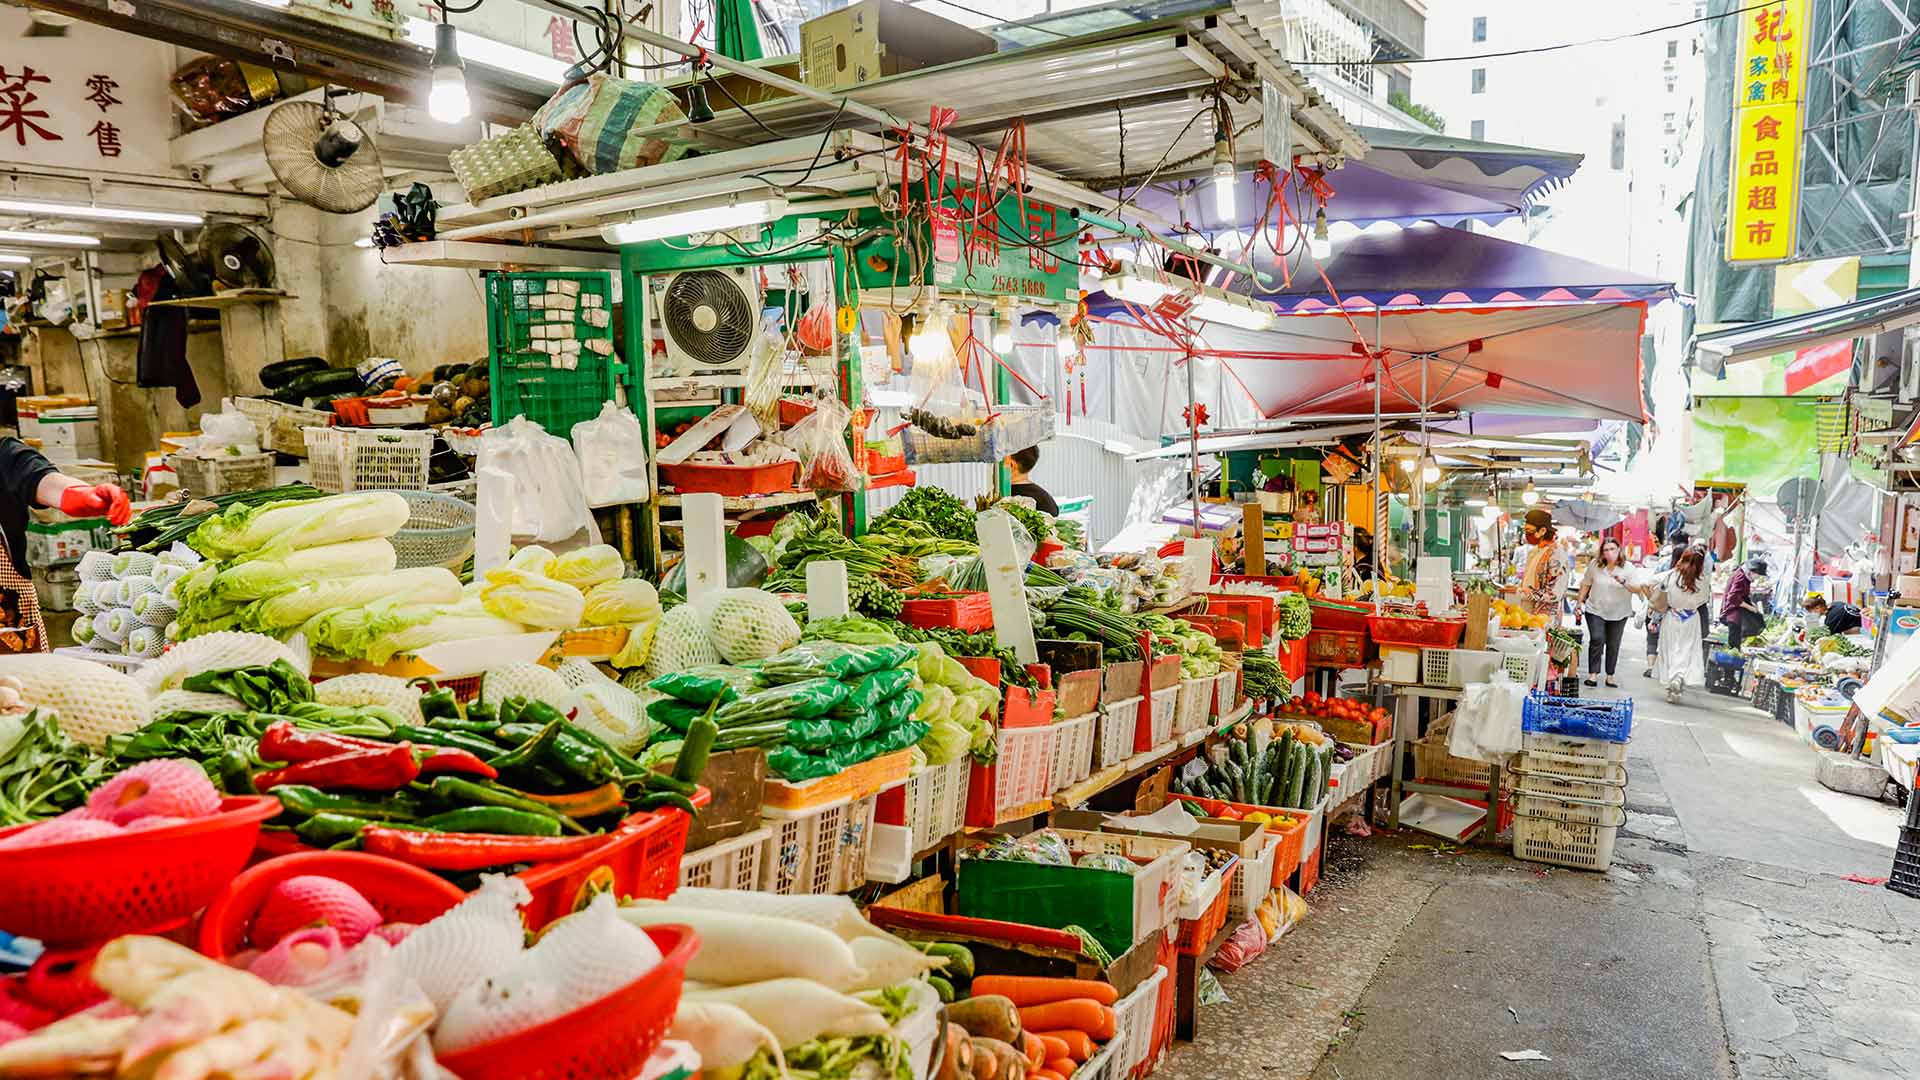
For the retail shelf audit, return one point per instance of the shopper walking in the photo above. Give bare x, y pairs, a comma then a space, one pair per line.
1679, 595
1739, 606
1607, 601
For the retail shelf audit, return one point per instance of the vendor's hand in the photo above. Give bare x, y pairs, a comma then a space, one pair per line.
97, 500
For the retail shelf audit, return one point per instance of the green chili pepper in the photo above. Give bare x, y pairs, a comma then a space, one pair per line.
236, 772
668, 798
693, 756
529, 752
628, 766
304, 799
328, 829
569, 753
437, 702
480, 712
510, 709
454, 789
494, 819
469, 725
653, 782
459, 740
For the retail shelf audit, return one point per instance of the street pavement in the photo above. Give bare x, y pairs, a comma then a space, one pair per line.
1724, 942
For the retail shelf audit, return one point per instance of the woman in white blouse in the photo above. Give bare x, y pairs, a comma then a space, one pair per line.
1607, 599
1679, 594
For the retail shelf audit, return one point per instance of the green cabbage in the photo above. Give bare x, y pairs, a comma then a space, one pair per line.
532, 598
284, 613
283, 570
301, 523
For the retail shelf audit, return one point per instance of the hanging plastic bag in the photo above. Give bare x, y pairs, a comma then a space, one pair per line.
821, 441
549, 503
612, 449
762, 396
599, 120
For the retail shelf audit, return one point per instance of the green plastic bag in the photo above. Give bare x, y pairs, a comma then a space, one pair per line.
896, 738
877, 687
833, 660
674, 714
794, 764
792, 701
705, 684
822, 732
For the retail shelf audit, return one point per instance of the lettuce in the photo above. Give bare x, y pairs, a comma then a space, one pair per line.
532, 598
283, 570
587, 567
284, 613
628, 600
301, 523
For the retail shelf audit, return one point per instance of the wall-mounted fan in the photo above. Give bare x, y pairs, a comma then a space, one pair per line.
710, 317
236, 257
322, 157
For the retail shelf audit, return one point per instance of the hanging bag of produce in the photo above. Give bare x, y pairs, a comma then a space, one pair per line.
612, 448
596, 120
820, 438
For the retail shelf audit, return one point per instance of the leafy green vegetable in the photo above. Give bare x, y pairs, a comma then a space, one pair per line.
943, 514
44, 773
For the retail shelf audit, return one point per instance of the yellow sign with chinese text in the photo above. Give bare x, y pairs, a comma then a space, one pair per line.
1769, 79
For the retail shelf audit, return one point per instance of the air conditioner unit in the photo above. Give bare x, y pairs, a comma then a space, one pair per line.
1910, 368
710, 319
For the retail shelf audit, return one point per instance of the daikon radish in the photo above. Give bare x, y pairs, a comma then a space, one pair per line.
797, 1010
835, 913
736, 948
885, 962
724, 1035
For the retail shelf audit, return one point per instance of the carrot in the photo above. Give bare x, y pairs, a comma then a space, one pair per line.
1079, 1046
1044, 1074
1026, 990
1080, 1014
1055, 1047
1063, 1066
1035, 1050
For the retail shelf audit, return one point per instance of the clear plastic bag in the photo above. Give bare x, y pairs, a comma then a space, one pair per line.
549, 503
820, 439
612, 449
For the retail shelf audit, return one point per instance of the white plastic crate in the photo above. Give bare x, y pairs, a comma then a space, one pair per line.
728, 864
1565, 776
1193, 703
1591, 758
1133, 1023
1547, 830
1162, 705
818, 851
936, 798
1100, 1066
1226, 693
1073, 750
1457, 667
1156, 886
358, 459
1315, 825
1369, 764
1254, 880
1113, 743
1023, 772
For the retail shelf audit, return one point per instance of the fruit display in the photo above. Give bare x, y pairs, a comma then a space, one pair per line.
1316, 707
1515, 617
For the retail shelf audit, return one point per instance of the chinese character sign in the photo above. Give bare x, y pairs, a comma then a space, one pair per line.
1763, 200
92, 100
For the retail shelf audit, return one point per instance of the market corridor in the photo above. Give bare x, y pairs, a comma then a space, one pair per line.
1724, 942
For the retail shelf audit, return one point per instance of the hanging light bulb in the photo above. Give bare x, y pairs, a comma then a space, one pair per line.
1429, 469
1528, 495
1321, 245
1066, 344
1408, 464
448, 101
1225, 179
1003, 329
924, 341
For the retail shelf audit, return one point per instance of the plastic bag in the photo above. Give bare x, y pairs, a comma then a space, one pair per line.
597, 121
892, 739
673, 713
820, 438
1119, 864
1023, 542
548, 501
1246, 945
877, 687
799, 700
706, 684
794, 764
831, 730
613, 453
228, 430
833, 660
1045, 847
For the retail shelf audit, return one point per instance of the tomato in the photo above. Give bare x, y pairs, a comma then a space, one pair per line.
1313, 698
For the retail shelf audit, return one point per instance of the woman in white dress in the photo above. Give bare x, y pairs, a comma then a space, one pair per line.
1679, 594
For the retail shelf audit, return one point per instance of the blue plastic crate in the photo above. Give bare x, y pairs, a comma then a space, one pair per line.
1577, 718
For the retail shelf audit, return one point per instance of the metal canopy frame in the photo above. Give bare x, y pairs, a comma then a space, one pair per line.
1859, 137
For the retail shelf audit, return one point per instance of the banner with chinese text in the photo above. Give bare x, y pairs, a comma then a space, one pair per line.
95, 99
1769, 83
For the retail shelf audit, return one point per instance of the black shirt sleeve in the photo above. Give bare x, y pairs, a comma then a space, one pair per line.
1843, 619
21, 470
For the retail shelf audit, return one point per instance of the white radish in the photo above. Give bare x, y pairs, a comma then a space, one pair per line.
13, 684
737, 948
835, 913
9, 699
885, 963
724, 1035
799, 1010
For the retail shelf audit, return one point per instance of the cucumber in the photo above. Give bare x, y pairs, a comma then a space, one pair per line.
1239, 783
1276, 783
1326, 771
1257, 778
959, 960
1237, 753
1296, 777
941, 987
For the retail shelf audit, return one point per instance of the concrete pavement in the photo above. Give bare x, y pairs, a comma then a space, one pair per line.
1725, 941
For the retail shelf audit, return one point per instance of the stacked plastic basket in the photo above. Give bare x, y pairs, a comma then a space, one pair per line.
1570, 783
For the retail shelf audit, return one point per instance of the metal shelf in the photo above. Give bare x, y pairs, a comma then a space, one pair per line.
750, 502
236, 298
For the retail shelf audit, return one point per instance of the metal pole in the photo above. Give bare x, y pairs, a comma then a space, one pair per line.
1380, 530
1193, 442
1420, 515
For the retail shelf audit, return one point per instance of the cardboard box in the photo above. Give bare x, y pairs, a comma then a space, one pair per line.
63, 541
1242, 838
56, 587
876, 38
64, 434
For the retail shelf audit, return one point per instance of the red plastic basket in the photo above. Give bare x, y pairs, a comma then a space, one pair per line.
1416, 633
91, 889
738, 480
401, 893
879, 464
1345, 615
971, 612
640, 859
1336, 648
1195, 934
1310, 872
608, 1040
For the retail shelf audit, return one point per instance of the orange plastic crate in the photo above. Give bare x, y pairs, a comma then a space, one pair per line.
737, 480
971, 612
1293, 836
1195, 934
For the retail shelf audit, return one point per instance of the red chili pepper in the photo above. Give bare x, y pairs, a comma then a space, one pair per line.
383, 768
435, 760
473, 851
282, 741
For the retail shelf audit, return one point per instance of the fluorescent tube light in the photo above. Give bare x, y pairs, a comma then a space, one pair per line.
1232, 310
51, 239
701, 218
16, 260
99, 213
475, 49
1131, 285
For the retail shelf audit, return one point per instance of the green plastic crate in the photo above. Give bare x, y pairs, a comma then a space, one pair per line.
1118, 909
531, 383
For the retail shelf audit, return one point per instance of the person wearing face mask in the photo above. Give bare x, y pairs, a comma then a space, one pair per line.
1543, 574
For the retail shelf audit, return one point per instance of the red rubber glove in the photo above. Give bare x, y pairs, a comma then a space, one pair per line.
99, 500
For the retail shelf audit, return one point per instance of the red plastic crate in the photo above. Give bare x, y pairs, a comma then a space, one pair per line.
1195, 934
1256, 613
1348, 616
1293, 658
903, 478
737, 480
640, 859
984, 668
971, 612
1047, 549
879, 464
1337, 648
1424, 633
1293, 837
1310, 872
